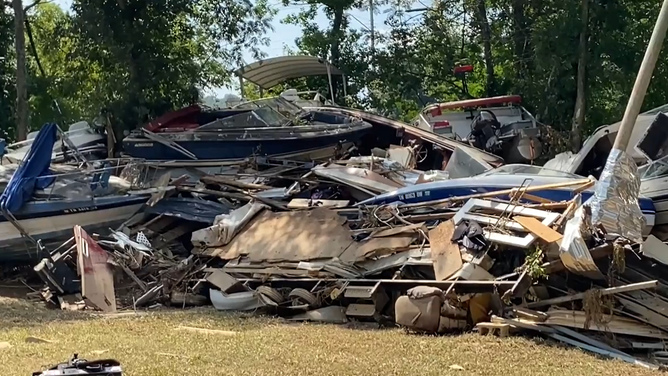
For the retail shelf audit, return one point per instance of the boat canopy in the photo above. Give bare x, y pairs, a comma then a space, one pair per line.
35, 165
268, 73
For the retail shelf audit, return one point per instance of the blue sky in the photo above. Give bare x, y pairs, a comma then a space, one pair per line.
284, 35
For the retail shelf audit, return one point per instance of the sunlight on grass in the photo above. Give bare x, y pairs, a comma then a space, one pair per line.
152, 345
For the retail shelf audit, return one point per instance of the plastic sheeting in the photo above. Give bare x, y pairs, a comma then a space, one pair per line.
615, 201
226, 226
562, 162
36, 163
190, 209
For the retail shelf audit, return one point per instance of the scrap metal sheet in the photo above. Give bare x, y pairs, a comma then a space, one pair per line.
573, 251
615, 201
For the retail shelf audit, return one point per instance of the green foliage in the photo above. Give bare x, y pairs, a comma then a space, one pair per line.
140, 58
7, 80
534, 52
137, 58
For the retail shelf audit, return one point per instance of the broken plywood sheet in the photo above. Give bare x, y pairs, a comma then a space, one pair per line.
290, 236
383, 242
445, 254
225, 282
375, 247
97, 279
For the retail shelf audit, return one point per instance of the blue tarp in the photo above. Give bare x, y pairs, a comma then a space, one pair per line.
35, 164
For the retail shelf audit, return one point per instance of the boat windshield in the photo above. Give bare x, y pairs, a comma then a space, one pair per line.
279, 104
654, 169
262, 117
656, 111
520, 169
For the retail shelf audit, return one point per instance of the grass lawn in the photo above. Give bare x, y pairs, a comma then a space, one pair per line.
150, 345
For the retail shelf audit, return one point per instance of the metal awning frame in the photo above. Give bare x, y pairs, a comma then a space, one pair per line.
262, 74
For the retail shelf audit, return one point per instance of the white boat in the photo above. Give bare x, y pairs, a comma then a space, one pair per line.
89, 143
39, 206
648, 146
499, 125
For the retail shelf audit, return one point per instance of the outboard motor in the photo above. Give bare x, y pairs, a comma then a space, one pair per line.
76, 366
484, 132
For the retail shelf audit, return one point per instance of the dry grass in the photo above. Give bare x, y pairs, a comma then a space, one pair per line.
150, 345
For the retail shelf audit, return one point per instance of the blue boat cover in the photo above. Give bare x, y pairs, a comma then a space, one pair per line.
35, 164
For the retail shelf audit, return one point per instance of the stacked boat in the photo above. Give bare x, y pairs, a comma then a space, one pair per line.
39, 206
271, 127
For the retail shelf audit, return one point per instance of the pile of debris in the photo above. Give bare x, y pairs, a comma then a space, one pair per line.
289, 239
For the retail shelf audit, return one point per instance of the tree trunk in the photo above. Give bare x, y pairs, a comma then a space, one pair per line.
21, 74
581, 97
487, 47
520, 39
335, 37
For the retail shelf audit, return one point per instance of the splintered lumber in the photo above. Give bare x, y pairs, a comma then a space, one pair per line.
537, 228
570, 209
445, 254
529, 314
607, 291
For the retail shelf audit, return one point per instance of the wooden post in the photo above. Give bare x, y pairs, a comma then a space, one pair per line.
642, 80
21, 73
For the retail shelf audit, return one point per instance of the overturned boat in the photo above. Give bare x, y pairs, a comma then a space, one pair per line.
270, 127
39, 207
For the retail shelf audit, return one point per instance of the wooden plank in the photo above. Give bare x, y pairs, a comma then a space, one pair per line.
97, 279
617, 325
608, 291
523, 324
445, 254
537, 228
529, 314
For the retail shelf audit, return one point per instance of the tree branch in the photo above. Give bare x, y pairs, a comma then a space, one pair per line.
26, 9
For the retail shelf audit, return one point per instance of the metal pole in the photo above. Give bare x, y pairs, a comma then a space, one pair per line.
329, 78
642, 80
373, 34
241, 87
345, 85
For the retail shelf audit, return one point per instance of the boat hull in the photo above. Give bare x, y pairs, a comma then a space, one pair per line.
52, 222
468, 186
208, 147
